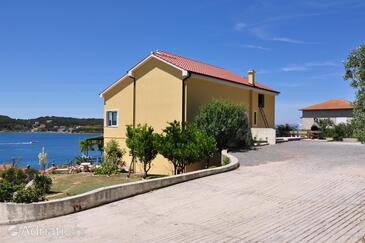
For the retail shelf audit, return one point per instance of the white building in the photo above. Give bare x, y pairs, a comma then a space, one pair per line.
338, 110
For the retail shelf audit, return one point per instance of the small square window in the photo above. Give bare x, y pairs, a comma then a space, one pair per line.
111, 118
261, 101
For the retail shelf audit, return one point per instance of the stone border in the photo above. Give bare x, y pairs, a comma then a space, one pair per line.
13, 213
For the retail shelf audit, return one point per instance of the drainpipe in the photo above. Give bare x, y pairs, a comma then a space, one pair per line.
133, 162
134, 97
186, 75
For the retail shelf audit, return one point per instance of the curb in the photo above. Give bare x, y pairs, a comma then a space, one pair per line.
14, 213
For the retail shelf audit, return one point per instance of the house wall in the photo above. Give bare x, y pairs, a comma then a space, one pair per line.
327, 113
201, 91
158, 101
307, 122
337, 116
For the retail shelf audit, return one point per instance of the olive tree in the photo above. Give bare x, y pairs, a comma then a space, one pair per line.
184, 144
142, 142
355, 72
226, 122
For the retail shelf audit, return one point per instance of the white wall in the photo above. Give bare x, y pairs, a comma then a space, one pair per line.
264, 134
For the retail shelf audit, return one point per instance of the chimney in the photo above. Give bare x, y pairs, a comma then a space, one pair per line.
251, 76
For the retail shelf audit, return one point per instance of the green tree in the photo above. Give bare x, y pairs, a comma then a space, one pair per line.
179, 145
113, 159
284, 130
207, 146
226, 122
86, 146
355, 72
142, 142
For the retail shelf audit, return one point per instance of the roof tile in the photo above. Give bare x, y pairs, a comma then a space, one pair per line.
332, 104
207, 69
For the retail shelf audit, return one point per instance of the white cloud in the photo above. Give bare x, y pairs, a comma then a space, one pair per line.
290, 40
323, 64
262, 34
256, 47
239, 26
308, 66
294, 68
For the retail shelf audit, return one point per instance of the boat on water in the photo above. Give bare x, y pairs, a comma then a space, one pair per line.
21, 143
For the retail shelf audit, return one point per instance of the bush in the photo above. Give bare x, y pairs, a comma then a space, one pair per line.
30, 174
14, 175
284, 130
113, 159
226, 122
143, 143
28, 195
107, 169
181, 145
226, 160
329, 133
42, 183
7, 189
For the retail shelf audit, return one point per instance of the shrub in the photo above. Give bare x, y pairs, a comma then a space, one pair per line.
14, 175
42, 183
107, 169
207, 146
226, 160
143, 143
7, 189
12, 185
30, 174
284, 130
180, 145
28, 195
329, 133
113, 159
226, 122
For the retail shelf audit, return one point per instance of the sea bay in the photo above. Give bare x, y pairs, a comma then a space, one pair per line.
60, 147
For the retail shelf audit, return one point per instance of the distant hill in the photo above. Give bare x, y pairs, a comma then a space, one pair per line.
52, 123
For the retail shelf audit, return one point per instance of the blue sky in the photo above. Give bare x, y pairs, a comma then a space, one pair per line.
56, 56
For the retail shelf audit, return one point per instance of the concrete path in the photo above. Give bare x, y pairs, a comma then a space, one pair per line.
292, 192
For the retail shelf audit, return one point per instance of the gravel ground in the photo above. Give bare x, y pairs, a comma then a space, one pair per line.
292, 192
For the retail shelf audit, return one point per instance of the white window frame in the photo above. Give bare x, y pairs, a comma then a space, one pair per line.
106, 124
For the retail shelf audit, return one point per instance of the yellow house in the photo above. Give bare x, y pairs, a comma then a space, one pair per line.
164, 87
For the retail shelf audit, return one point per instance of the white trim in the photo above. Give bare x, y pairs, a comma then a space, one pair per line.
106, 118
130, 72
158, 58
114, 84
232, 83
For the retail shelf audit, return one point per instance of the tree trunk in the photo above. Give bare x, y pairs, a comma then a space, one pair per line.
208, 162
131, 167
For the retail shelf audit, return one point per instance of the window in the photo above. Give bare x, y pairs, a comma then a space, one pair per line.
254, 118
111, 118
261, 100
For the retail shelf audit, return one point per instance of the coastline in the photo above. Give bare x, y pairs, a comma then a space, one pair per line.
52, 132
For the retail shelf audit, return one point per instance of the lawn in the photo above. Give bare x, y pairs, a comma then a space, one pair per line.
72, 184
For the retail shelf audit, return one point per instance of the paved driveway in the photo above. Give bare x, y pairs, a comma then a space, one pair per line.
292, 192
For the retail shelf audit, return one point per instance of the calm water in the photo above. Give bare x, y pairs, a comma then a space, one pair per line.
61, 148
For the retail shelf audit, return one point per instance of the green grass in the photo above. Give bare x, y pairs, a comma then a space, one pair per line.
73, 184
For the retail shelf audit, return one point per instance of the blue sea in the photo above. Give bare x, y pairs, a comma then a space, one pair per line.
60, 147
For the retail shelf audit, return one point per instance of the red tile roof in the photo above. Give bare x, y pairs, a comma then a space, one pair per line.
333, 104
207, 69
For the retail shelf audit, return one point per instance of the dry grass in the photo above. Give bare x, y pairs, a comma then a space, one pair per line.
72, 184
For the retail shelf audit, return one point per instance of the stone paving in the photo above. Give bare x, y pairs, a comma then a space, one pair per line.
293, 192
